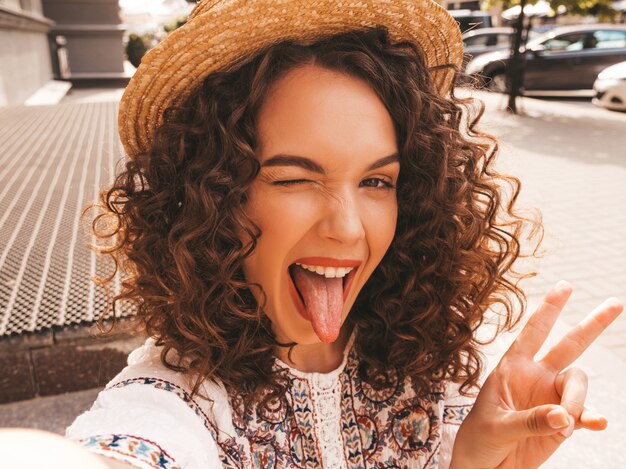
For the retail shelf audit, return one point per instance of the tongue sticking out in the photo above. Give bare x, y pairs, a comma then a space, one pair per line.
323, 300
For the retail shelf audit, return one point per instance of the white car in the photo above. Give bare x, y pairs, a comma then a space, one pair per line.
610, 87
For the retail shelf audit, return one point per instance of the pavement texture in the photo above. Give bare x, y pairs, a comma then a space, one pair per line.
571, 158
54, 159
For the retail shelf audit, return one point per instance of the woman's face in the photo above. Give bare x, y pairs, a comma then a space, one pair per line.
325, 199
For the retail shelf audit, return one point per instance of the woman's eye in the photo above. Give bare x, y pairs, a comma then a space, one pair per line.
290, 182
378, 183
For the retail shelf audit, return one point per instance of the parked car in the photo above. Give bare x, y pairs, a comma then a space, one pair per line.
610, 88
484, 40
565, 58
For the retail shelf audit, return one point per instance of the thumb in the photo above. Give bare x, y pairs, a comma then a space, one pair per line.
542, 420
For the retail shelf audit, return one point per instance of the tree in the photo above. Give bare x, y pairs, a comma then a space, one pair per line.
135, 49
515, 69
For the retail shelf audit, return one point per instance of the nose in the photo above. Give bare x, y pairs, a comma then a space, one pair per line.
342, 220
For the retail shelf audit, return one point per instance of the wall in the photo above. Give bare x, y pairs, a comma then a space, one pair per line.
24, 52
94, 36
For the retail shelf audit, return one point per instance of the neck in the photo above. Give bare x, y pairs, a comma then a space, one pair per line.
320, 357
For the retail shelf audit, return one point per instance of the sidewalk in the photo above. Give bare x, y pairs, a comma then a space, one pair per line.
54, 160
571, 159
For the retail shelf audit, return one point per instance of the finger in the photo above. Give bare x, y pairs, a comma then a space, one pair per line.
541, 322
572, 387
593, 421
576, 341
543, 420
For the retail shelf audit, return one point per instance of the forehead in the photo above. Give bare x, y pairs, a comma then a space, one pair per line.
325, 115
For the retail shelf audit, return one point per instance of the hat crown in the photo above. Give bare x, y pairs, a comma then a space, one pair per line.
220, 35
204, 6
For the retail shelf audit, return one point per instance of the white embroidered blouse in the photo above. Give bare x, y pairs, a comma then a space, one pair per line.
146, 417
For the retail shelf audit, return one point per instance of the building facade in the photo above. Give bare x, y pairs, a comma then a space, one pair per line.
91, 35
71, 40
25, 64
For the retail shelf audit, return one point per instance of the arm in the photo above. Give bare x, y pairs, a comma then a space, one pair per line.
146, 420
53, 451
528, 407
27, 447
115, 464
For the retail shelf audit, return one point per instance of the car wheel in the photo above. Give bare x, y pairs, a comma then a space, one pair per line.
497, 83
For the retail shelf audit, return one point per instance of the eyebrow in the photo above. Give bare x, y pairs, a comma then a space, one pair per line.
310, 165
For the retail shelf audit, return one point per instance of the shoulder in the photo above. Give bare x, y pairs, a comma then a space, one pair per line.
146, 375
147, 411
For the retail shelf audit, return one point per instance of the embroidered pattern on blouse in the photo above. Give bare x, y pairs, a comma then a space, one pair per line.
455, 414
230, 454
384, 425
380, 425
139, 450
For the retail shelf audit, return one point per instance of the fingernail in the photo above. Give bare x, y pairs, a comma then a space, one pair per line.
600, 417
563, 285
567, 432
557, 419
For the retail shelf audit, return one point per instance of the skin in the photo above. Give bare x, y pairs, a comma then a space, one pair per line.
528, 407
348, 212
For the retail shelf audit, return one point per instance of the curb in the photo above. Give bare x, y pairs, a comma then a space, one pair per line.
61, 360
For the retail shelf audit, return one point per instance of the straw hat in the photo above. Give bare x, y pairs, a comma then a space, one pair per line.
222, 34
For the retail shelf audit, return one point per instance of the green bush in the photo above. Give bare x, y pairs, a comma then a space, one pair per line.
135, 49
168, 28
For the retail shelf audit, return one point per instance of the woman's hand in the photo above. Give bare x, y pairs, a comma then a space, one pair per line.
528, 407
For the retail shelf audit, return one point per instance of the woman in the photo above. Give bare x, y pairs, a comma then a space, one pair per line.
312, 236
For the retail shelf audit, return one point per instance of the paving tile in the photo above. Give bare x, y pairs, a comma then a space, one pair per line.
72, 368
26, 341
52, 413
16, 381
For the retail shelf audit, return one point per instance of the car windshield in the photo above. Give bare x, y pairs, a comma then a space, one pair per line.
566, 42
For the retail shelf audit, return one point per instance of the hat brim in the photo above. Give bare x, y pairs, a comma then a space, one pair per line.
220, 35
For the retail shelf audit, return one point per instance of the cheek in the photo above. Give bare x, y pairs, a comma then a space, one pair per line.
270, 209
381, 227
282, 222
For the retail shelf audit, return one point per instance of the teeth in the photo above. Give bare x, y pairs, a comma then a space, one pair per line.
328, 272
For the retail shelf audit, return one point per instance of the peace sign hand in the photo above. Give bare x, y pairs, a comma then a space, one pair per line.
528, 407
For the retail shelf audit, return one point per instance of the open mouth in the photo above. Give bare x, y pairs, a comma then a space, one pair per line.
298, 297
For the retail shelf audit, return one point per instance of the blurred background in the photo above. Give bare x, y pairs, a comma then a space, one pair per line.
552, 75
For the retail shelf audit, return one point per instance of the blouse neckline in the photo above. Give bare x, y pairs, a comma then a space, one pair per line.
316, 376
